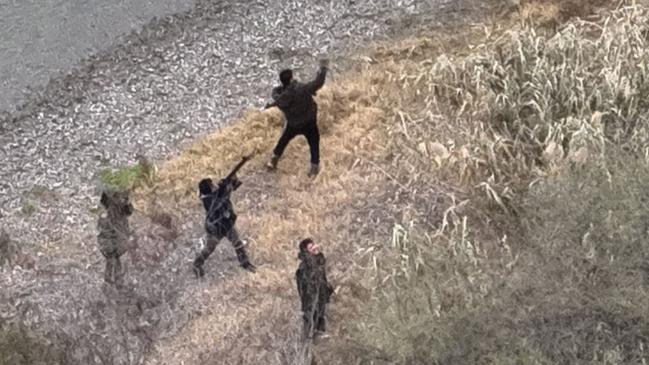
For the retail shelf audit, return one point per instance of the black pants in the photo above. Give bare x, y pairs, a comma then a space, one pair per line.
213, 241
308, 130
113, 273
314, 320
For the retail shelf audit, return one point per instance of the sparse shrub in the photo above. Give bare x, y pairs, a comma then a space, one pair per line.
523, 102
29, 208
545, 262
570, 289
127, 178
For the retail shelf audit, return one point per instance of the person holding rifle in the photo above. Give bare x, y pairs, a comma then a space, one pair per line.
220, 218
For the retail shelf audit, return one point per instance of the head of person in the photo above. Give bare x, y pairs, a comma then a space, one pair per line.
286, 76
117, 202
205, 187
308, 247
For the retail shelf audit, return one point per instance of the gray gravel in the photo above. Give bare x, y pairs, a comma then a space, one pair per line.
41, 38
177, 79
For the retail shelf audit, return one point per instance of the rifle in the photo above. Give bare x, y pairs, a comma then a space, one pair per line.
237, 168
229, 180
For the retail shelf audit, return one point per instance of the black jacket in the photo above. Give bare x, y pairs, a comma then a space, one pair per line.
296, 100
312, 285
220, 216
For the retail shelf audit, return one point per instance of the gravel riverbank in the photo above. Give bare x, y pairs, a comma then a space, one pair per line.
176, 79
171, 82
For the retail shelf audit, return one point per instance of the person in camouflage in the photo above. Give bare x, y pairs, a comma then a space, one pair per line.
114, 232
219, 221
312, 286
295, 100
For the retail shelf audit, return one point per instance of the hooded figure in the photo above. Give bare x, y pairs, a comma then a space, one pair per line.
295, 100
114, 232
312, 286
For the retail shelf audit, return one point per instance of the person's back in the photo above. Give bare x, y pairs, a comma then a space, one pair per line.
297, 103
295, 100
113, 232
112, 225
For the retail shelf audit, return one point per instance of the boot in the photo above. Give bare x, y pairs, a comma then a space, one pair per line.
314, 170
321, 325
198, 267
248, 266
244, 261
272, 164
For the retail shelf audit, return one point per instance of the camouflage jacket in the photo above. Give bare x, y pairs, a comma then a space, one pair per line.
114, 234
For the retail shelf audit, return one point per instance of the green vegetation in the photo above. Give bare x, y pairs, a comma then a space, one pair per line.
127, 178
29, 208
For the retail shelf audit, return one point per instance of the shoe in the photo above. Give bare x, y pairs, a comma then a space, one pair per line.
249, 267
198, 271
314, 170
272, 164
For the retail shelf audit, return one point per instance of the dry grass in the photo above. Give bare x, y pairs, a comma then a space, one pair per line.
452, 206
250, 317
541, 259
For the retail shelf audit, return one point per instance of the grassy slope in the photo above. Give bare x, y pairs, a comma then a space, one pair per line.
287, 207
441, 250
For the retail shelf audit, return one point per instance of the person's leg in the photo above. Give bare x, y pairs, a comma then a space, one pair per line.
210, 245
308, 324
312, 135
110, 270
119, 274
242, 256
320, 320
287, 135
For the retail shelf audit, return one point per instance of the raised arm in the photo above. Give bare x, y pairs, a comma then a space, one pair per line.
315, 85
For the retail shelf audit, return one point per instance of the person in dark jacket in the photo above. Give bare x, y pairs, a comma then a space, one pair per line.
115, 236
312, 286
219, 222
295, 100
